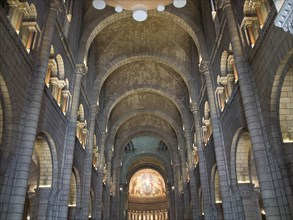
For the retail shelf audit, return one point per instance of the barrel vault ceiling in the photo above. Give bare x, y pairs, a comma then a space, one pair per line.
145, 76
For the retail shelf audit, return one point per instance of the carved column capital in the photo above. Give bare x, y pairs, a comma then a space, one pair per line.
58, 5
193, 106
204, 67
104, 136
24, 7
80, 69
94, 109
186, 134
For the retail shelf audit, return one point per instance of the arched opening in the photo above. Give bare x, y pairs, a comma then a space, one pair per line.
216, 192
81, 128
147, 196
286, 107
206, 124
74, 194
40, 180
245, 176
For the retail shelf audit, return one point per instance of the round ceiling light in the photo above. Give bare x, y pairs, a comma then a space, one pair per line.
160, 8
99, 4
179, 3
118, 9
140, 13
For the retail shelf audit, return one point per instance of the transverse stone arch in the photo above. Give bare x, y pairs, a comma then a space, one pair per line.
286, 107
243, 168
100, 23
5, 115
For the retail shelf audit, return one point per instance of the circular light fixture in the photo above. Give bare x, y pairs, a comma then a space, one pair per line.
160, 8
179, 3
99, 4
140, 13
118, 9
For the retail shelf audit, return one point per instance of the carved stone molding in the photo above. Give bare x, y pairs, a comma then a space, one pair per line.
284, 18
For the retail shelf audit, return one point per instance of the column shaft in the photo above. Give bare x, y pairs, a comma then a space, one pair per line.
31, 119
268, 171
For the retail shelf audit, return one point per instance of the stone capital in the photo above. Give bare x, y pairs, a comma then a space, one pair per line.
193, 106
104, 136
24, 7
204, 67
186, 133
94, 109
58, 5
80, 69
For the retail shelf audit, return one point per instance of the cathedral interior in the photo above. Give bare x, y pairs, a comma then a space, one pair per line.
146, 109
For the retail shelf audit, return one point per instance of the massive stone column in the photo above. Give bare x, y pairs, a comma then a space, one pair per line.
108, 194
99, 194
222, 165
204, 179
193, 188
69, 143
273, 185
176, 190
30, 121
87, 175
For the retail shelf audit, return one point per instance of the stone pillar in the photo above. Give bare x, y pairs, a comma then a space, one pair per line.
87, 175
222, 163
21, 167
42, 196
268, 168
69, 143
177, 191
204, 178
249, 201
193, 187
99, 194
107, 200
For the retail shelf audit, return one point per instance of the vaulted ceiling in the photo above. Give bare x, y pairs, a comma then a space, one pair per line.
145, 78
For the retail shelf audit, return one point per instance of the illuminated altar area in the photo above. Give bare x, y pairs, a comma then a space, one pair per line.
147, 196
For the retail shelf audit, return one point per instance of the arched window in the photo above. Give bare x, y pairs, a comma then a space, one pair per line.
226, 81
96, 155
81, 128
286, 107
58, 86
244, 175
255, 14
23, 18
206, 124
40, 175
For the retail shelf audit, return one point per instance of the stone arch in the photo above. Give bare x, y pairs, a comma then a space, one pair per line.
275, 94
96, 26
128, 91
61, 69
216, 192
75, 189
286, 107
242, 164
5, 116
106, 70
224, 59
